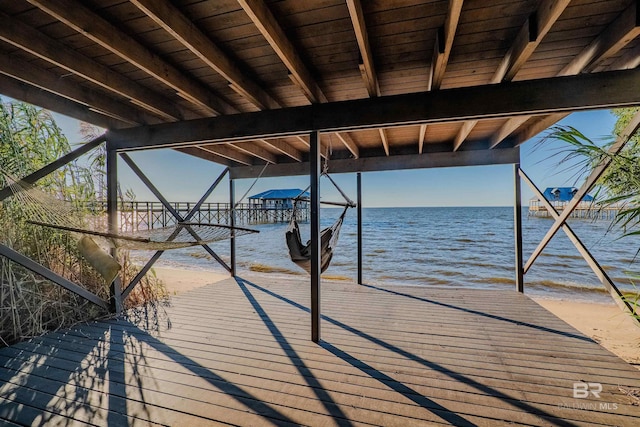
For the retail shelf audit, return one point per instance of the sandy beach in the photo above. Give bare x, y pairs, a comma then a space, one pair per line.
605, 323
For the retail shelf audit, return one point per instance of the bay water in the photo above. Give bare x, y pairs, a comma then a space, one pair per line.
454, 247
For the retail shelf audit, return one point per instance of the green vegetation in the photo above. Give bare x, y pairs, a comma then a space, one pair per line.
30, 305
620, 183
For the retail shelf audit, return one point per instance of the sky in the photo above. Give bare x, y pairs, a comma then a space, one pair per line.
181, 177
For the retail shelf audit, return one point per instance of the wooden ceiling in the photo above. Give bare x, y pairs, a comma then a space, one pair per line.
121, 64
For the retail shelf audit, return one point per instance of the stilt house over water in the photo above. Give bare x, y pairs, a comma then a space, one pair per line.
366, 86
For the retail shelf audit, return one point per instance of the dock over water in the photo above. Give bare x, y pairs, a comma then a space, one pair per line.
239, 352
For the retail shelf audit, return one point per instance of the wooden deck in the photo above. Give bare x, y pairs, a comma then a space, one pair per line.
238, 352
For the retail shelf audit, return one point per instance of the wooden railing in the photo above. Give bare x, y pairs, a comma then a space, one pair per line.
137, 215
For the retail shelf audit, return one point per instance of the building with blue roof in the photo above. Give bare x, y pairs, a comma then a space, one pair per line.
278, 198
563, 194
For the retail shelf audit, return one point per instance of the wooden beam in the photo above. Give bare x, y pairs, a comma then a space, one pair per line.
349, 143
206, 155
267, 24
529, 37
528, 131
172, 20
256, 151
444, 43
360, 29
527, 40
324, 150
385, 141
33, 75
315, 168
616, 36
30, 40
227, 152
397, 162
36, 96
629, 60
582, 92
600, 272
422, 135
102, 32
283, 147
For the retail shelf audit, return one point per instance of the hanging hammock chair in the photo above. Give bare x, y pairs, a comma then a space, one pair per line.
301, 253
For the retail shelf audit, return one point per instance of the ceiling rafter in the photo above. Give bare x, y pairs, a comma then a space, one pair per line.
172, 20
624, 29
43, 47
283, 147
360, 29
99, 30
421, 136
527, 40
38, 77
207, 155
444, 43
267, 24
36, 96
367, 66
348, 142
228, 152
256, 151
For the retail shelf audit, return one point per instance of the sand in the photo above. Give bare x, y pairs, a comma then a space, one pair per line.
605, 323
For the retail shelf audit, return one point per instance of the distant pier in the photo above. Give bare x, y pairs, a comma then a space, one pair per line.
152, 215
584, 210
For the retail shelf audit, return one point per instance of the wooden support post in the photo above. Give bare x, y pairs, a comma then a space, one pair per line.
314, 175
517, 228
232, 223
115, 296
359, 185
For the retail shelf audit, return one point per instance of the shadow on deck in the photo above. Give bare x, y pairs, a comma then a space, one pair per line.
238, 352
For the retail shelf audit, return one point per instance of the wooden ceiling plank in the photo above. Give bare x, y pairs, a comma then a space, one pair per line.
582, 92
36, 96
616, 36
43, 47
267, 24
527, 40
227, 152
360, 29
172, 20
31, 74
283, 147
349, 143
444, 43
629, 60
256, 151
206, 155
102, 32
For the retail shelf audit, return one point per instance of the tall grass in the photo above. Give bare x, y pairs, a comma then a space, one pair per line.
29, 304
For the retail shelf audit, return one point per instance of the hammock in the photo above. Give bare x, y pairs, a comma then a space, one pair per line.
45, 210
301, 254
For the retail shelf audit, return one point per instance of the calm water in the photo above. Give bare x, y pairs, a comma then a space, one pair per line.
451, 247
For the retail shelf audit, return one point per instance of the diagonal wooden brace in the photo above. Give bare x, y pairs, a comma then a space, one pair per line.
595, 266
177, 216
591, 180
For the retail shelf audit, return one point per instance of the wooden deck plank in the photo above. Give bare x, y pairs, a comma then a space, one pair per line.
238, 352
